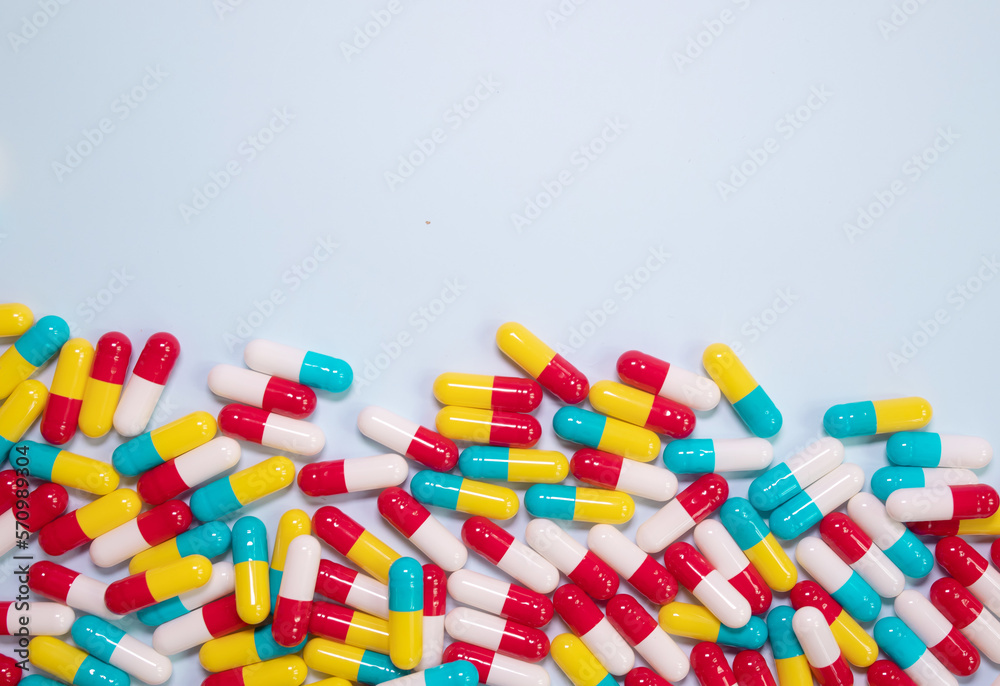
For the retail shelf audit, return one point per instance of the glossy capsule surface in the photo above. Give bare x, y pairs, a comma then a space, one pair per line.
722, 553
506, 393
509, 601
143, 389
62, 412
710, 667
753, 537
90, 521
303, 366
243, 648
517, 465
271, 430
495, 669
41, 507
352, 475
705, 583
212, 620
586, 620
191, 469
751, 669
491, 427
783, 481
292, 523
806, 509
31, 350
345, 625
887, 673
270, 393
606, 433
150, 528
500, 548
354, 542
435, 608
556, 501
929, 449
104, 385
351, 588
972, 501
617, 473
65, 468
293, 607
155, 447
944, 641
649, 411
968, 615
702, 497
495, 633
789, 660
840, 581
406, 612
964, 563
904, 648
19, 412
541, 363
857, 646
253, 594
751, 402
221, 584
210, 540
72, 665
702, 455
638, 568
898, 543
859, 552
581, 566
578, 663
289, 670
349, 662
65, 585
888, 480
643, 633
229, 494
158, 584
868, 417
112, 645
422, 529
821, 650
465, 495
658, 377
402, 436
15, 319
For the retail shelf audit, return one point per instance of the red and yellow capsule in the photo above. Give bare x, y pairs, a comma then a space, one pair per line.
344, 625
491, 427
542, 363
66, 395
506, 393
158, 584
104, 386
652, 412
290, 670
354, 542
90, 521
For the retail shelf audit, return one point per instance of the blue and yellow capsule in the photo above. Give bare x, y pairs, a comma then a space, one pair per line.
578, 663
747, 397
243, 648
555, 501
870, 417
406, 612
33, 349
789, 660
697, 622
753, 537
155, 447
229, 494
68, 469
516, 465
253, 594
349, 662
464, 495
606, 433
72, 665
293, 523
209, 540
19, 412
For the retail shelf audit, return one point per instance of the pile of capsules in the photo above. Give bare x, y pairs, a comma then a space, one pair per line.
384, 619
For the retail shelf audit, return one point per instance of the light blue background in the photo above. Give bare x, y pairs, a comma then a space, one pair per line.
557, 73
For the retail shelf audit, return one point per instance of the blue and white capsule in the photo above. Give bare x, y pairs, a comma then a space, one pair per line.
889, 479
784, 481
704, 455
457, 673
899, 544
840, 581
303, 366
805, 510
929, 449
904, 648
110, 644
35, 347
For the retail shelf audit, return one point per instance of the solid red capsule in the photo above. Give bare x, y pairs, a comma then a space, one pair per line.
751, 669
710, 667
644, 676
887, 673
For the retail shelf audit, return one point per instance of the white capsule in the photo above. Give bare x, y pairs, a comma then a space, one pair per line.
197, 466
925, 620
870, 515
443, 548
374, 472
274, 359
235, 383
298, 581
478, 628
666, 525
609, 648
118, 545
136, 406
970, 452
984, 633
663, 655
292, 435
87, 594
928, 671
696, 391
391, 430
723, 600
987, 589
815, 637
824, 565
506, 671
836, 488
178, 635
433, 641
478, 590
880, 573
646, 481
369, 596
39, 619
742, 454
529, 568
816, 460
612, 546
555, 545
719, 548
136, 658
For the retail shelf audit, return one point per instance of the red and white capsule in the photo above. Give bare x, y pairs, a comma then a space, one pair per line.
191, 469
144, 387
598, 468
945, 642
435, 607
352, 588
581, 566
43, 505
70, 587
645, 574
402, 436
217, 618
722, 552
422, 529
507, 600
644, 634
860, 553
148, 529
939, 503
510, 555
271, 430
35, 619
968, 615
334, 477
586, 620
298, 584
694, 573
969, 568
820, 648
656, 376
504, 636
704, 496
269, 393
495, 669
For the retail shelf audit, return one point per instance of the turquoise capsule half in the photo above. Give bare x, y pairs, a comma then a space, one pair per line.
551, 501
795, 517
38, 680
914, 449
162, 612
690, 456
912, 557
743, 522
96, 636
406, 585
772, 488
375, 668
249, 540
457, 673
485, 462
858, 598
436, 488
325, 372
851, 419
215, 500
579, 426
211, 540
267, 648
759, 413
751, 636
898, 642
38, 344
784, 644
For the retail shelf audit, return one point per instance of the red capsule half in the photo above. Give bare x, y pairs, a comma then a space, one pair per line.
887, 673
710, 667
751, 669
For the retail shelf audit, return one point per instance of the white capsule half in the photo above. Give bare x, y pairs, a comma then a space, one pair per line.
136, 658
197, 466
928, 671
815, 637
389, 429
663, 655
742, 454
433, 642
374, 472
87, 594
666, 525
298, 581
274, 359
925, 620
719, 548
478, 590
723, 600
696, 391
292, 435
40, 619
478, 628
554, 544
609, 648
646, 481
869, 513
222, 582
822, 564
816, 460
932, 504
984, 633
136, 406
506, 671
178, 635
529, 568
369, 596
443, 548
880, 573
118, 545
612, 546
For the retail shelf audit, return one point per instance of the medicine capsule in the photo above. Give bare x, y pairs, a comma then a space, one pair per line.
655, 376
191, 469
158, 584
15, 319
291, 524
104, 385
350, 587
93, 519
606, 433
243, 648
72, 665
751, 402
517, 465
820, 648
986, 526
581, 566
702, 455
510, 555
640, 408
435, 602
928, 449
293, 608
62, 413
289, 670
721, 551
840, 581
757, 542
783, 481
229, 494
703, 497
20, 411
149, 529
644, 676
344, 625
35, 619
899, 544
969, 568
144, 387
497, 670
886, 673
35, 347
110, 644
406, 612
42, 506
972, 501
887, 480
209, 540
867, 418
751, 669
69, 587
67, 469
944, 641
542, 363
270, 393
408, 438
421, 528
465, 495
904, 648
494, 633
705, 583
352, 475
642, 632
710, 667
500, 598
9, 487
10, 673
492, 427
253, 594
217, 618
697, 622
789, 659
457, 673
645, 574
155, 447
968, 615
505, 393
586, 620
349, 662
857, 646
620, 474
354, 542
859, 552
556, 501
578, 663
271, 430
805, 510
222, 583
305, 367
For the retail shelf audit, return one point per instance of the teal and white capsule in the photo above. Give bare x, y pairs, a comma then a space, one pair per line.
904, 648
110, 644
703, 455
889, 479
805, 510
840, 581
304, 366
457, 673
899, 544
928, 449
783, 481
35, 347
